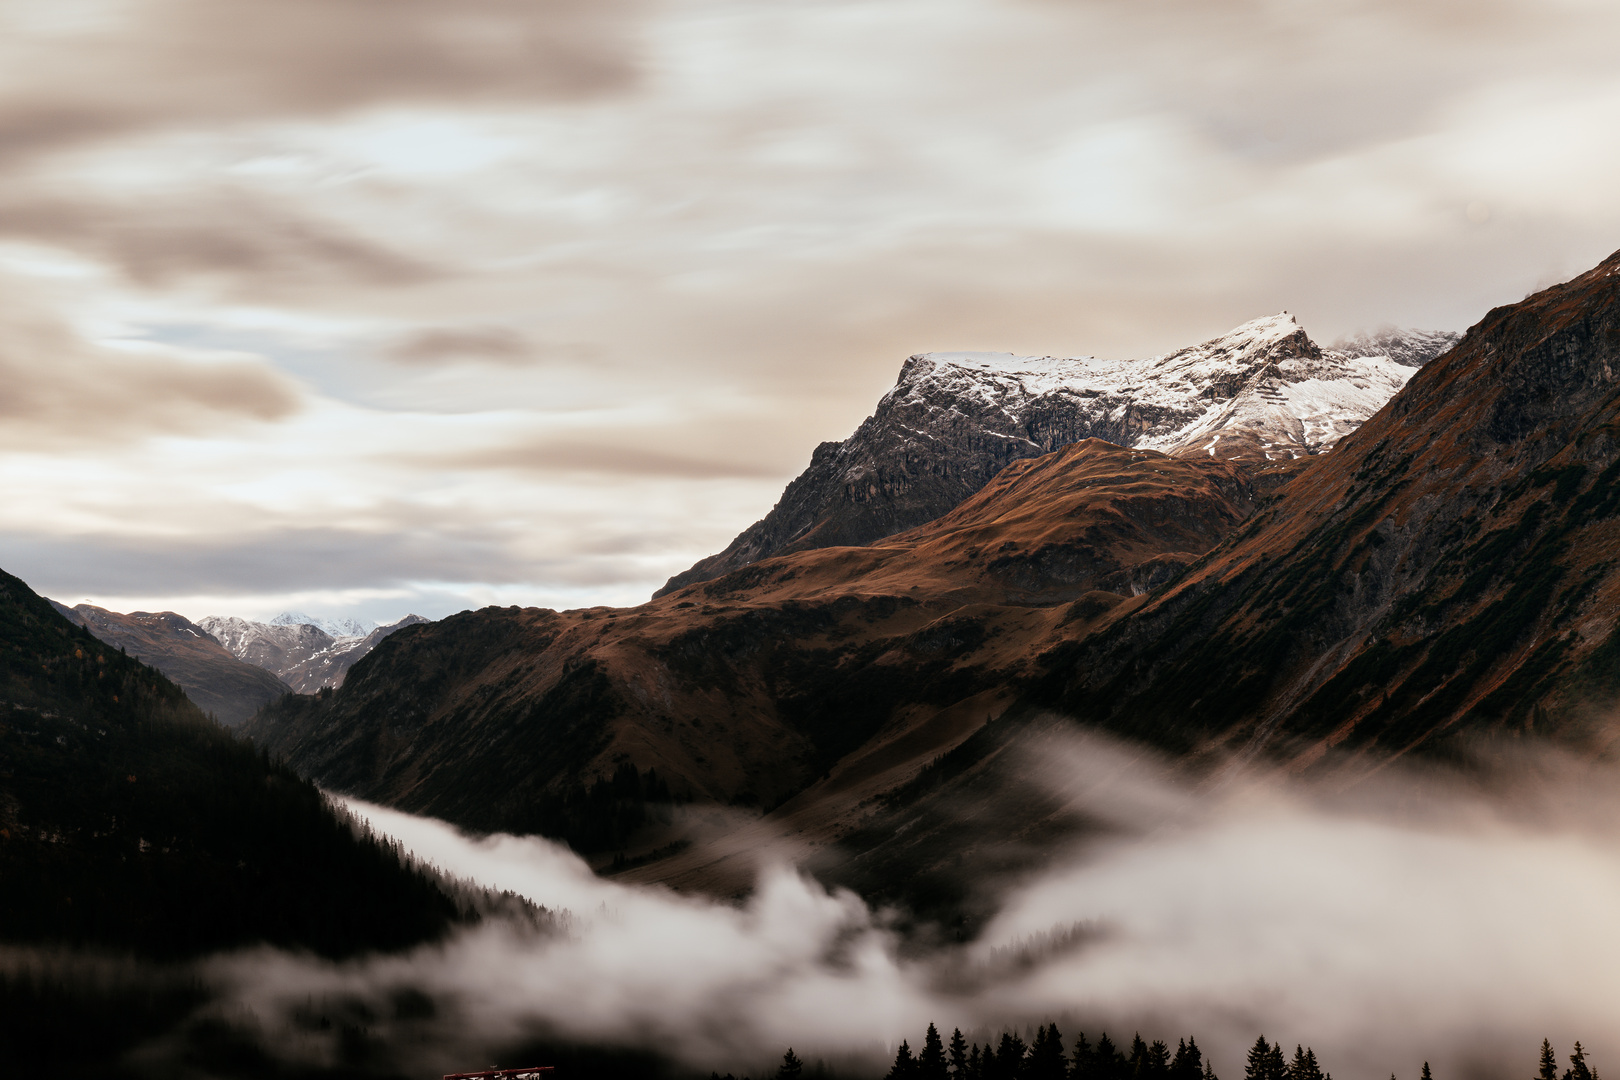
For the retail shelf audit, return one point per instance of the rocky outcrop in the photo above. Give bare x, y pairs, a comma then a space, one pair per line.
1263, 392
216, 681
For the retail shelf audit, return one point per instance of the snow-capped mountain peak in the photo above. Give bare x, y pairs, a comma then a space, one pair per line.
338, 628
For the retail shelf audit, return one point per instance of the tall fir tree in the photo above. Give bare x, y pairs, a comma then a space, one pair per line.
1110, 1064
791, 1068
958, 1053
905, 1066
1156, 1064
1188, 1064
1427, 1075
975, 1065
1578, 1069
1549, 1063
931, 1062
1265, 1062
1081, 1064
1046, 1056
1009, 1057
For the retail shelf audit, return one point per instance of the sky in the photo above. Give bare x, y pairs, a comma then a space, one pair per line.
368, 307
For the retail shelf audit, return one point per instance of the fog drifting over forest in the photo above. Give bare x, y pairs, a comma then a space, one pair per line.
1410, 919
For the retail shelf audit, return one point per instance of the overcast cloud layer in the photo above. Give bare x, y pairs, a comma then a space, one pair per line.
370, 306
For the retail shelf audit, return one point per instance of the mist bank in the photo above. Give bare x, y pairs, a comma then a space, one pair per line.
1421, 916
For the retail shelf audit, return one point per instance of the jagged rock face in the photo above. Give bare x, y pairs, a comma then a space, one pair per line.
1449, 569
954, 420
302, 655
216, 681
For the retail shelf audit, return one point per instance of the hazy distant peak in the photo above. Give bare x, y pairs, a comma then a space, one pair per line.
1409, 348
336, 627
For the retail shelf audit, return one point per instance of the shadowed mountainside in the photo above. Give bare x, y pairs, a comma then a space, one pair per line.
745, 689
1448, 569
1452, 566
216, 681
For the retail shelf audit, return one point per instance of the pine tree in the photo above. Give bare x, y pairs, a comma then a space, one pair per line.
905, 1068
1081, 1063
958, 1055
1209, 1072
1156, 1065
1427, 1075
1304, 1066
1549, 1062
1578, 1069
1046, 1056
791, 1066
1009, 1057
1276, 1064
975, 1068
1109, 1063
931, 1062
1258, 1066
1188, 1062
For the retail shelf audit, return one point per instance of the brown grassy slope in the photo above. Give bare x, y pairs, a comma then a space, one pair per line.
217, 682
1450, 566
844, 663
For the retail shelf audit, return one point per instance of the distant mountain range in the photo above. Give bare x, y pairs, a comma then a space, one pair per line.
219, 683
304, 655
1263, 392
231, 667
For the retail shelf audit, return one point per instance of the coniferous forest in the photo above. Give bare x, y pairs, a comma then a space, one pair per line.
1045, 1057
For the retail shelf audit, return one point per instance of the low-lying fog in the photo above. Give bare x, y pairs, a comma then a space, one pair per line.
1414, 919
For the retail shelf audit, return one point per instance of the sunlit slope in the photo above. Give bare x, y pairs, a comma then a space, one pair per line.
836, 665
131, 822
1450, 566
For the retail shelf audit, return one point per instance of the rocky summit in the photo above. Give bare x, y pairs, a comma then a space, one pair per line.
1263, 392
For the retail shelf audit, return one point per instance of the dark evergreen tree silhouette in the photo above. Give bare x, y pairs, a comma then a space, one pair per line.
905, 1066
1578, 1069
1426, 1074
791, 1066
1265, 1062
1304, 1066
1188, 1063
1046, 1055
1082, 1061
958, 1053
1009, 1057
931, 1062
1108, 1063
975, 1064
1549, 1063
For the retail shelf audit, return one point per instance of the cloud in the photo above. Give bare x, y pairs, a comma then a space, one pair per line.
149, 64
64, 392
494, 344
1418, 917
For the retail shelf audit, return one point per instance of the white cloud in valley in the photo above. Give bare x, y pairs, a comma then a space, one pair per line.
378, 307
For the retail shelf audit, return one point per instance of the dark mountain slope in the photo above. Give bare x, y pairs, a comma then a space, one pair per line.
1454, 565
219, 683
842, 662
130, 822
